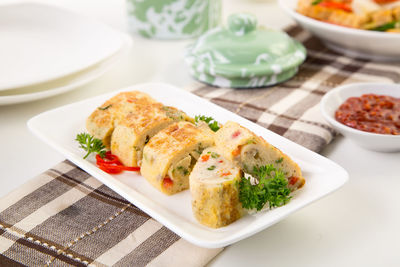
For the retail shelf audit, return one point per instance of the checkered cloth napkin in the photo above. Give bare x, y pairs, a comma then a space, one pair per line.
65, 217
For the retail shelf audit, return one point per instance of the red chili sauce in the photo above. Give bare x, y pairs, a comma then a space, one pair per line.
371, 113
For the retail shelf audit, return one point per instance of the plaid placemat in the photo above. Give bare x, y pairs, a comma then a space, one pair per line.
65, 217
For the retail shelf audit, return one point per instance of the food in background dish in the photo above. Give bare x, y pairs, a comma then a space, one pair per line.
249, 150
371, 113
169, 156
214, 186
375, 15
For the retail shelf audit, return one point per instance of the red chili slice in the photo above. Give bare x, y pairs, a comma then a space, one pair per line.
112, 169
133, 169
111, 164
108, 159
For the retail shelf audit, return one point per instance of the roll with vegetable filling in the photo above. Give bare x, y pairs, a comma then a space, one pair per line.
214, 189
137, 126
102, 121
249, 150
169, 157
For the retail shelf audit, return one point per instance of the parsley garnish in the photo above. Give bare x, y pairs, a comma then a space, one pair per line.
213, 124
271, 188
280, 160
91, 144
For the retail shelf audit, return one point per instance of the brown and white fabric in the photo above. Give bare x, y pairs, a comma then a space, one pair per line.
65, 217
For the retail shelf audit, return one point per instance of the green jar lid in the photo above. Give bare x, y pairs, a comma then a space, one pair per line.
244, 55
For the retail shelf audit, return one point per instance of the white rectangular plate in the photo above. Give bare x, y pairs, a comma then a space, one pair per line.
59, 127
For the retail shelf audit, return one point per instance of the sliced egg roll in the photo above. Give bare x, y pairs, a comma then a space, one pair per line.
102, 121
242, 146
136, 128
169, 157
214, 189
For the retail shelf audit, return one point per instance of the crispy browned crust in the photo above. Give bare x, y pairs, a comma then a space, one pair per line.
127, 120
103, 119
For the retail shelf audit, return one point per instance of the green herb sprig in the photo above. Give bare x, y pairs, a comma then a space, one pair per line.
90, 144
105, 108
213, 124
387, 26
272, 187
316, 2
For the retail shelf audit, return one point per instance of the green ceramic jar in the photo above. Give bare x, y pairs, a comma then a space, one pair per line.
243, 55
173, 19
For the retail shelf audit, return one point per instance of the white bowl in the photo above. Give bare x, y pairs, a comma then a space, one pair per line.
372, 141
371, 45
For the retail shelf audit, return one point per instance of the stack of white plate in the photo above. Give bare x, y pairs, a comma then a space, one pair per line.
45, 50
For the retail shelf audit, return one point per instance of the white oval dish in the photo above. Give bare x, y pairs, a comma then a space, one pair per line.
365, 44
65, 84
42, 43
332, 100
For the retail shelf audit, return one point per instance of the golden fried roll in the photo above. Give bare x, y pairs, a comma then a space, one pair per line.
137, 126
102, 121
214, 189
169, 157
247, 149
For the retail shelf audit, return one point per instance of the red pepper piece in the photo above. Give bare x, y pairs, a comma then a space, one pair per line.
236, 134
225, 173
384, 1
167, 182
293, 180
236, 151
336, 5
204, 158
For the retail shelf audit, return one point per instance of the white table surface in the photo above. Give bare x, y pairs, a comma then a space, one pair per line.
359, 225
